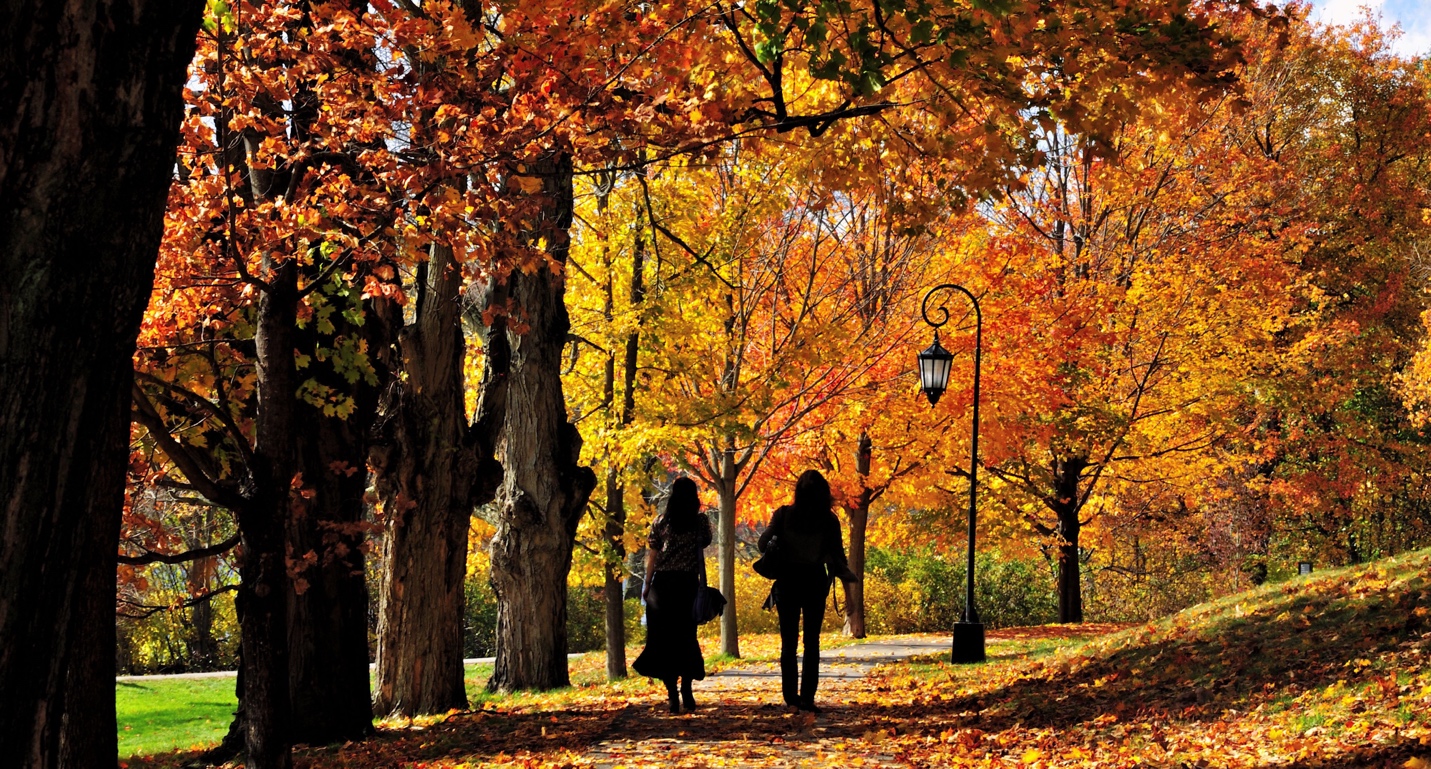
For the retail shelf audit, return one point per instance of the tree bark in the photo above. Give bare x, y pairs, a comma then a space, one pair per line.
616, 492
328, 676
859, 515
263, 594
92, 95
615, 565
1067, 475
432, 471
89, 716
725, 552
544, 490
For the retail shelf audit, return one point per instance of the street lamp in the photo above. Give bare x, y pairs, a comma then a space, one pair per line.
934, 364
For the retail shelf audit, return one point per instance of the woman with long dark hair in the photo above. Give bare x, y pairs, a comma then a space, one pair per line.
673, 562
805, 538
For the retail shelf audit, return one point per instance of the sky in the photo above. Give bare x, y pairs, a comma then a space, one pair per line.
1414, 16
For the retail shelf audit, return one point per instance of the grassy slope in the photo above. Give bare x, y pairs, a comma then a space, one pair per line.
1329, 670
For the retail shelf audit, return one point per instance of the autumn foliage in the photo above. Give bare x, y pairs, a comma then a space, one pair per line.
532, 261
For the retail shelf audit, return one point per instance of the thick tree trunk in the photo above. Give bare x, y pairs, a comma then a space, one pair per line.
544, 490
328, 674
92, 95
265, 584
89, 718
432, 471
328, 677
725, 552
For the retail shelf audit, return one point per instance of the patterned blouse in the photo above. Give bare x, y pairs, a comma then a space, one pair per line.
678, 550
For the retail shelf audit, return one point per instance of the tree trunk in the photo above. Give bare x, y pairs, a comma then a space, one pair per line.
1067, 474
89, 716
92, 96
544, 490
329, 682
725, 552
859, 515
616, 503
615, 567
265, 586
431, 474
328, 676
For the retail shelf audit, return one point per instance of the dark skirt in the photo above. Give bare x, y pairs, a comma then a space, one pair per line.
672, 650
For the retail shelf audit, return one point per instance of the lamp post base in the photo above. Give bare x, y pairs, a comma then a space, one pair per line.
968, 642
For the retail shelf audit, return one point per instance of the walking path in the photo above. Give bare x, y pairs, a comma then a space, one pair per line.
741, 716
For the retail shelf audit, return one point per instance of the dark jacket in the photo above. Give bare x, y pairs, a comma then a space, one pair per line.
808, 543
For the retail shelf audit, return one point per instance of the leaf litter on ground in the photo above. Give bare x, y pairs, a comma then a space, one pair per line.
1328, 671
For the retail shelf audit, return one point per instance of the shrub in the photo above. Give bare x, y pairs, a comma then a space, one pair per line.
919, 591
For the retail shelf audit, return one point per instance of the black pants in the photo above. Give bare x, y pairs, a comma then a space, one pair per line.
802, 593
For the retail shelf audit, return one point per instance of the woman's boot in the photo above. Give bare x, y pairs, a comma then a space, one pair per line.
687, 699
671, 694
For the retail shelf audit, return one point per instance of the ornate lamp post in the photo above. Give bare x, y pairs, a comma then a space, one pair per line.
934, 364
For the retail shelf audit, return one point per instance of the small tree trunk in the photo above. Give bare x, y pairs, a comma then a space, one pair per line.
725, 553
616, 493
92, 96
615, 576
1067, 475
859, 515
544, 490
1070, 595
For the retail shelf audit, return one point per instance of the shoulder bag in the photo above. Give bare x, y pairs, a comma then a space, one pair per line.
709, 601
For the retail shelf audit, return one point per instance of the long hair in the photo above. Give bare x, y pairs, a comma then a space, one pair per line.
683, 505
812, 497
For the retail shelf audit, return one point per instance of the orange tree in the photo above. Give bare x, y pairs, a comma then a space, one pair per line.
1331, 443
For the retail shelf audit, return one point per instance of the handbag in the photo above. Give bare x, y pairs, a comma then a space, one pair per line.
771, 563
709, 601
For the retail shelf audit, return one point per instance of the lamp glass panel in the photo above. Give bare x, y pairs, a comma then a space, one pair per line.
942, 375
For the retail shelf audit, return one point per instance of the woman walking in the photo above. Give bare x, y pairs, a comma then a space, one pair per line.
673, 563
804, 538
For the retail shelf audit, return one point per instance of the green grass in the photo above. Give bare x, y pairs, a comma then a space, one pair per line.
165, 714
160, 715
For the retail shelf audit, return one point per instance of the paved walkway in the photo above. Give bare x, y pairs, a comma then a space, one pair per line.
847, 663
741, 717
